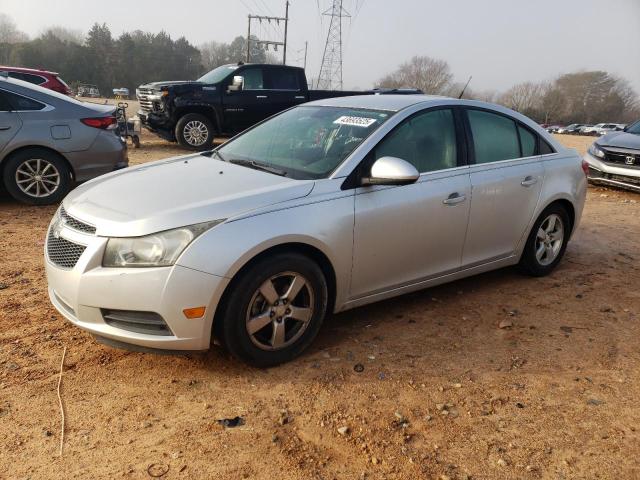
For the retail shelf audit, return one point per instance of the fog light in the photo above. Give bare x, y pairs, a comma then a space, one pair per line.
196, 312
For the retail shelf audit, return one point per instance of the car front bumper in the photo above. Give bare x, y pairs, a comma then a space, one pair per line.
602, 173
86, 293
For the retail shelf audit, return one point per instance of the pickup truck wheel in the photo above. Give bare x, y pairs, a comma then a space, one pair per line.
37, 177
195, 131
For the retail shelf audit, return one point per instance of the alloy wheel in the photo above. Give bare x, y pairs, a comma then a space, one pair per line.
549, 239
280, 311
195, 133
37, 178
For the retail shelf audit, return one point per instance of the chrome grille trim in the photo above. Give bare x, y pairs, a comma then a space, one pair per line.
63, 252
76, 224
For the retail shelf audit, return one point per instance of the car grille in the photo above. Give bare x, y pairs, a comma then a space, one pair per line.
62, 252
143, 97
139, 322
76, 224
621, 158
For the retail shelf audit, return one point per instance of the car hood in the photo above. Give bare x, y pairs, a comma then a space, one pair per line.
169, 83
176, 192
620, 140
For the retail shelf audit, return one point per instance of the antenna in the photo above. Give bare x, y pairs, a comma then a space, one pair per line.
465, 88
330, 76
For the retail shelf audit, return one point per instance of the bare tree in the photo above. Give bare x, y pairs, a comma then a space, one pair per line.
430, 75
9, 32
524, 97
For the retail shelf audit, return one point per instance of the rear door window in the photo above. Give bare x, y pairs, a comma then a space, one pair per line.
23, 104
495, 137
284, 79
4, 104
527, 141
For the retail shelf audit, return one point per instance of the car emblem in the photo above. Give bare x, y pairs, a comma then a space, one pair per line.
630, 160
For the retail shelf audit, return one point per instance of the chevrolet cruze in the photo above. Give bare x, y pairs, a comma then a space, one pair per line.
322, 208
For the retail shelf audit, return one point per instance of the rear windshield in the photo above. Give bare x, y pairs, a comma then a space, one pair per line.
305, 142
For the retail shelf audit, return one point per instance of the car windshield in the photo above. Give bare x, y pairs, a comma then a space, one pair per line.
217, 74
634, 128
306, 142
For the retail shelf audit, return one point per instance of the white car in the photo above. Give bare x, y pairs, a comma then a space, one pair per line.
325, 207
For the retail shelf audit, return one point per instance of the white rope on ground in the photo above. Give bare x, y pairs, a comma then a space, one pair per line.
60, 400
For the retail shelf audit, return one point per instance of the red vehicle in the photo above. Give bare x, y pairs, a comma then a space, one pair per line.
44, 78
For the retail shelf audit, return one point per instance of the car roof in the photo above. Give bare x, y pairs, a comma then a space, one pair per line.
26, 70
392, 103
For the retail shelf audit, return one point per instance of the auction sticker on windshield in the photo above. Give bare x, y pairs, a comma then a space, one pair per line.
355, 121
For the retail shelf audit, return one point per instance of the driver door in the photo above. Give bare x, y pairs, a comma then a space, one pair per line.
248, 106
411, 233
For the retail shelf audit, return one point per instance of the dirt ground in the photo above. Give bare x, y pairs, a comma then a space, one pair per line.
444, 391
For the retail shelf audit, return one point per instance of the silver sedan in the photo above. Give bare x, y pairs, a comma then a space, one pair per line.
325, 207
49, 141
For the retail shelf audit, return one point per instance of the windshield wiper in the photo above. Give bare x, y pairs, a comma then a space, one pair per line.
258, 166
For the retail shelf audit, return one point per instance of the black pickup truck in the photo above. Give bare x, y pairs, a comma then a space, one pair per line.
227, 100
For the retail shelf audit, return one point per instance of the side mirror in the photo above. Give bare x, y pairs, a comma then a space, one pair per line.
391, 171
236, 84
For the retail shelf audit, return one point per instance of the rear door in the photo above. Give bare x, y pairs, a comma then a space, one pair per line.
284, 88
10, 122
506, 180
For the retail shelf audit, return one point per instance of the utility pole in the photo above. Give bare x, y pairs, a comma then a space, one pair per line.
286, 24
267, 43
330, 76
306, 45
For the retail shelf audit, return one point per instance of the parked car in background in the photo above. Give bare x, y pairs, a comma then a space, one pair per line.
583, 130
43, 78
573, 128
554, 128
606, 128
614, 159
87, 90
226, 101
49, 141
306, 214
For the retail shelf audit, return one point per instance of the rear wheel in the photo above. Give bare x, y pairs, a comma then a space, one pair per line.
195, 131
37, 177
275, 310
547, 242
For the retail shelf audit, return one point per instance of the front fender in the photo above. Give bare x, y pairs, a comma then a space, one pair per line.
326, 225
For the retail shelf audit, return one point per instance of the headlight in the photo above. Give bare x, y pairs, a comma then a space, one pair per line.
160, 249
596, 151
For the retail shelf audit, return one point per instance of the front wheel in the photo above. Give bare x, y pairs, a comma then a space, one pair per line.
547, 242
194, 131
275, 310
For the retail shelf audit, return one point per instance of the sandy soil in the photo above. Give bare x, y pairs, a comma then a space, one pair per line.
445, 392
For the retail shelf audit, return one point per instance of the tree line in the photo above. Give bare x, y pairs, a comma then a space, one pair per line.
129, 60
581, 97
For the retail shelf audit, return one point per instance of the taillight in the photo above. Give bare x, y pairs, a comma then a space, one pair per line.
103, 123
585, 168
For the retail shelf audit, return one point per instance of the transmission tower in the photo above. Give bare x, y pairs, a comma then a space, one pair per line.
330, 77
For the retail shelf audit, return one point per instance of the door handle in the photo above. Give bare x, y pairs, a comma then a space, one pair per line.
261, 96
300, 97
2, 129
454, 199
528, 181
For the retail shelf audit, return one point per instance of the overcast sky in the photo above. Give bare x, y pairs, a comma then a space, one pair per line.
499, 42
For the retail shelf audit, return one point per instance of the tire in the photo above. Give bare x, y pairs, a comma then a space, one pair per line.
23, 166
263, 347
552, 239
195, 131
